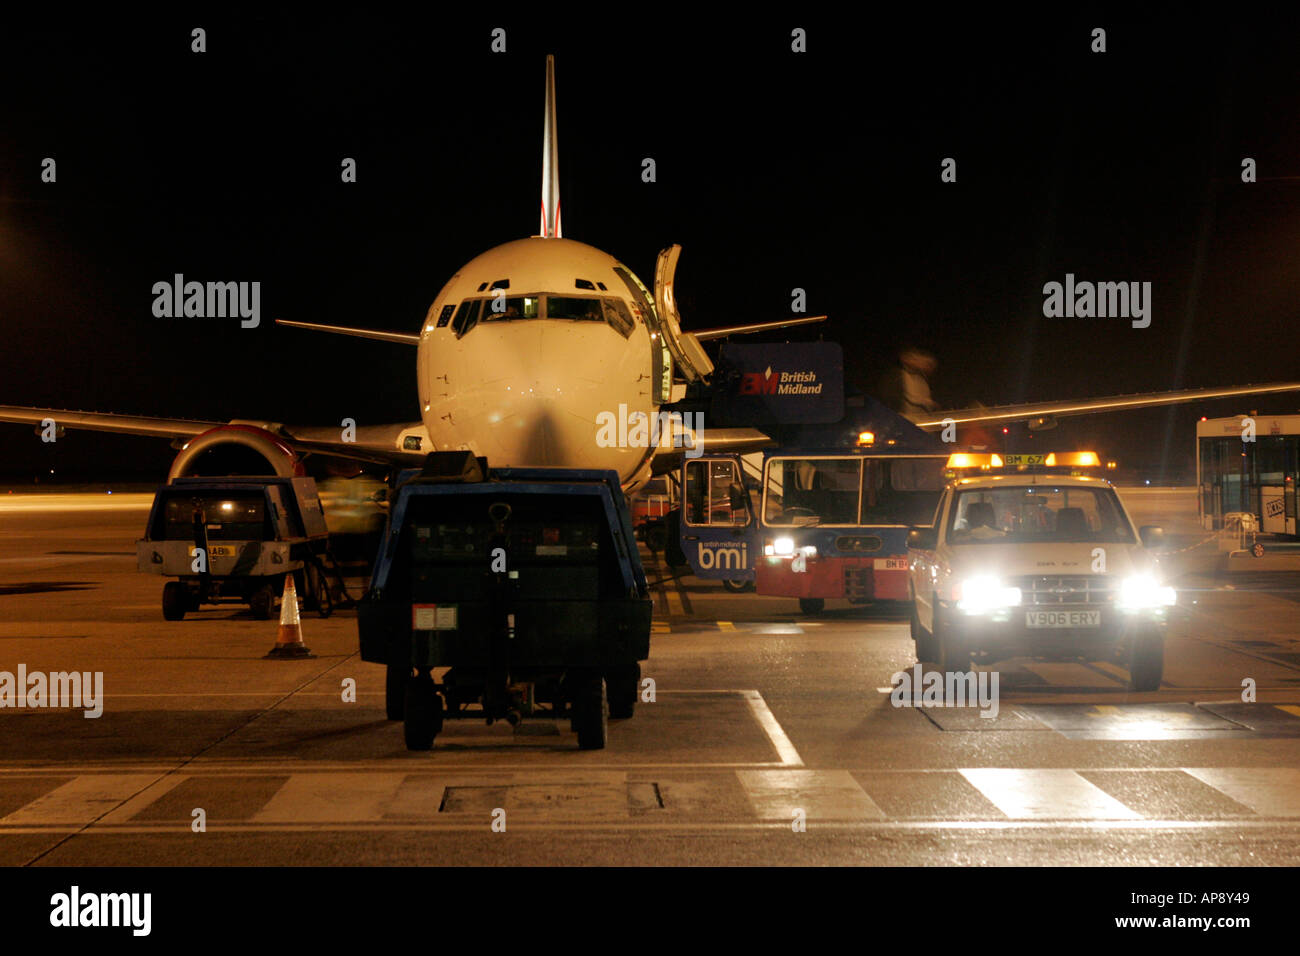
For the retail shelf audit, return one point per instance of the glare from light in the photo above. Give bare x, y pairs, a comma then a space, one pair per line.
984, 593
1141, 592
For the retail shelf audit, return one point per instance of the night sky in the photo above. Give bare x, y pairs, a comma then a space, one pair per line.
775, 170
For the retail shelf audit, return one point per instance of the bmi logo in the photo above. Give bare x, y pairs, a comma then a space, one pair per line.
768, 382
759, 383
722, 557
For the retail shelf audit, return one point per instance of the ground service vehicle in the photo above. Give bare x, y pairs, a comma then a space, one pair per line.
525, 583
823, 516
1250, 465
1030, 557
233, 539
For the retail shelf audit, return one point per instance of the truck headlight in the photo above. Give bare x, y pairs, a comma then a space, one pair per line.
1140, 592
984, 593
781, 548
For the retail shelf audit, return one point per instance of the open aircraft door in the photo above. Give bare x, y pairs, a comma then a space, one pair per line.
686, 349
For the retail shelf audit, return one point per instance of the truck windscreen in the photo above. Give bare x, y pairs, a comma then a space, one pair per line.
851, 491
225, 518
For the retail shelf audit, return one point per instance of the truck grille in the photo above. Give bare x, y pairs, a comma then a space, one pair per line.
858, 584
1048, 590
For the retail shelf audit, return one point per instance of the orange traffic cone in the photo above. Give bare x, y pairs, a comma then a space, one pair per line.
288, 643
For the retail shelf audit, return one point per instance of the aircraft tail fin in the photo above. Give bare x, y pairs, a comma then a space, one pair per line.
550, 161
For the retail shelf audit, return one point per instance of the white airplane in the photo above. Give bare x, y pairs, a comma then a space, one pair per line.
522, 350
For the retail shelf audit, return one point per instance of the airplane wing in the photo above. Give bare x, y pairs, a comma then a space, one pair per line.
933, 421
712, 441
705, 335
107, 422
379, 444
401, 338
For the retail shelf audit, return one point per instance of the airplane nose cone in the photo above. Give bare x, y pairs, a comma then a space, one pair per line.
535, 393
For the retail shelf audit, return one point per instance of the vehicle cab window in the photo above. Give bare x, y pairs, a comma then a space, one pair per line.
715, 494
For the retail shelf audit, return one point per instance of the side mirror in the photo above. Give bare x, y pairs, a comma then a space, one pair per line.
1151, 536
922, 539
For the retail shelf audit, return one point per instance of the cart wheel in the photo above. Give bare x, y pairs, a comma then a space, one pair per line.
622, 684
589, 711
306, 587
812, 606
320, 591
656, 537
395, 691
261, 602
423, 713
175, 600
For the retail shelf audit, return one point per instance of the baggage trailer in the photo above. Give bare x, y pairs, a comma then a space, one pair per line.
251, 532
525, 583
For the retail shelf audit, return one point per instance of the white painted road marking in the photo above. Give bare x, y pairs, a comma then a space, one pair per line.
1046, 794
348, 798
784, 748
80, 801
1269, 791
330, 798
820, 794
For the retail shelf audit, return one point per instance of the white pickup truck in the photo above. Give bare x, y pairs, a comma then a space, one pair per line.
1031, 563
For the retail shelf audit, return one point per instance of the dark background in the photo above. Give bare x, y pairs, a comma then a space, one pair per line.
775, 170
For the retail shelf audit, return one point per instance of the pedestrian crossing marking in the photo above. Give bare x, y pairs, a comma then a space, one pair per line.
1046, 794
80, 801
820, 794
740, 797
334, 797
1269, 791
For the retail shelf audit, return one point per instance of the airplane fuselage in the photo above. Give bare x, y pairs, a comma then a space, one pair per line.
527, 345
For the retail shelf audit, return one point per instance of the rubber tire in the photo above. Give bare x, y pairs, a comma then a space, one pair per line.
303, 581
656, 538
422, 713
926, 650
175, 600
811, 607
674, 556
737, 587
1146, 664
395, 680
321, 595
261, 602
589, 712
622, 685
951, 657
